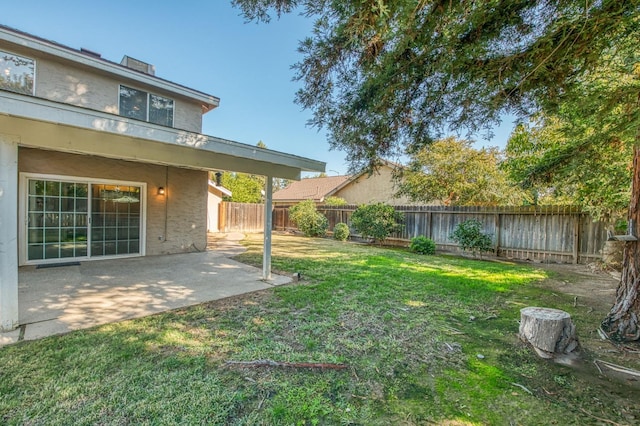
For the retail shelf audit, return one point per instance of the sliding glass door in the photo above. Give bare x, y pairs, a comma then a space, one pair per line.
115, 220
71, 219
56, 219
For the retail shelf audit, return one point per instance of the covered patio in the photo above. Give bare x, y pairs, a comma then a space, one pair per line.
55, 300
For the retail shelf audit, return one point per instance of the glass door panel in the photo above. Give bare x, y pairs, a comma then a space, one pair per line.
56, 219
115, 219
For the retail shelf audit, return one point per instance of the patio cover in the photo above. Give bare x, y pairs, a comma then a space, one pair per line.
37, 123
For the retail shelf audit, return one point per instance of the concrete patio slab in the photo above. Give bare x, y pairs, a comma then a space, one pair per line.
62, 299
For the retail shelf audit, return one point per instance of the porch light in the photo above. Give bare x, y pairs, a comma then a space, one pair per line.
161, 190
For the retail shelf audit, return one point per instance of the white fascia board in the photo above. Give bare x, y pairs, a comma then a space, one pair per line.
45, 111
104, 65
222, 189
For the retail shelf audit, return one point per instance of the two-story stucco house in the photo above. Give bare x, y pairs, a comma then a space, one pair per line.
100, 159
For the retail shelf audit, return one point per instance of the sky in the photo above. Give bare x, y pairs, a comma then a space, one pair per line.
207, 46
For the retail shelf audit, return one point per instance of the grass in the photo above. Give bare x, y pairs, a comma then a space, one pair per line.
427, 340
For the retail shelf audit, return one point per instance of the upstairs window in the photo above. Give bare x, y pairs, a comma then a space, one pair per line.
16, 73
145, 106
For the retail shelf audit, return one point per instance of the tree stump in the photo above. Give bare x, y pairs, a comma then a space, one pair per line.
550, 331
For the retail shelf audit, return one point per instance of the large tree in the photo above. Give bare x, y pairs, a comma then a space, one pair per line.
557, 166
382, 76
454, 173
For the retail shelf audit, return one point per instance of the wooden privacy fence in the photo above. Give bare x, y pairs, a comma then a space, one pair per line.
240, 217
539, 233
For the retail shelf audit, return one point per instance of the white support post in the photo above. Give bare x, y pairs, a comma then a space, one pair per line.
8, 233
268, 226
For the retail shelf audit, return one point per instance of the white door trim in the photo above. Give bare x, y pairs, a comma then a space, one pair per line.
23, 215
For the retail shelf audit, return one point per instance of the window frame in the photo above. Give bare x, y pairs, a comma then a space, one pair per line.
148, 105
33, 79
23, 228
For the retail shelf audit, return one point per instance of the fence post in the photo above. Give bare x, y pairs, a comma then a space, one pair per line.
222, 217
497, 227
576, 238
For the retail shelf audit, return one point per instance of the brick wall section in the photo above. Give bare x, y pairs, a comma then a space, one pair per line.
184, 217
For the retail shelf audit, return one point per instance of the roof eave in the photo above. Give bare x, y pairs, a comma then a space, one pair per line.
158, 144
35, 43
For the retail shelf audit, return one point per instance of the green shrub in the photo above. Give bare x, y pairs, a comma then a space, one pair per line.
422, 245
469, 236
377, 221
341, 232
334, 201
308, 220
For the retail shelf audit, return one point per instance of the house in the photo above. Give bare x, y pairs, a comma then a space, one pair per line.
359, 189
100, 159
214, 197
316, 189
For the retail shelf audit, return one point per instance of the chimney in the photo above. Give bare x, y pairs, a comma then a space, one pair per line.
138, 65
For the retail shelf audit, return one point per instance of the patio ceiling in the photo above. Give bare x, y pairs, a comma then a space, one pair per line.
61, 127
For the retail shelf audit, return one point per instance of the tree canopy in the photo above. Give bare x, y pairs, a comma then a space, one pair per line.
245, 188
452, 172
582, 149
382, 77
554, 168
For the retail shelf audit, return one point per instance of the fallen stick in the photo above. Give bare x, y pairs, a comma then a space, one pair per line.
271, 363
618, 368
599, 418
595, 361
523, 388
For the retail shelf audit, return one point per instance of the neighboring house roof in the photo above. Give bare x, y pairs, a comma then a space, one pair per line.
224, 191
316, 189
383, 163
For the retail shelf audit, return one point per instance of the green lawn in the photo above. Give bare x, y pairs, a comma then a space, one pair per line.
426, 340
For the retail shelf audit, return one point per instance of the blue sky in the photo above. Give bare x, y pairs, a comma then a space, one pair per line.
207, 46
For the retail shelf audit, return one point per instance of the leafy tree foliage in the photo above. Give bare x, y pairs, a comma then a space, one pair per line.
453, 172
582, 149
334, 201
377, 221
245, 188
382, 77
309, 220
593, 176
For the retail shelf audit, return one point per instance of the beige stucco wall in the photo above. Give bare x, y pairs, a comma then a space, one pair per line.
379, 187
86, 87
213, 204
176, 222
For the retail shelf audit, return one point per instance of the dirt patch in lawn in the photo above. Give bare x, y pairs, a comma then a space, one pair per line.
591, 294
586, 283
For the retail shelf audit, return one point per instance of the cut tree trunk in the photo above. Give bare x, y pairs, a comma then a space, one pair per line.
550, 331
622, 323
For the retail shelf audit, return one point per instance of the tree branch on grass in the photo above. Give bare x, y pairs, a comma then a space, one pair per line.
271, 363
